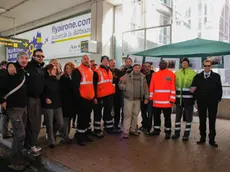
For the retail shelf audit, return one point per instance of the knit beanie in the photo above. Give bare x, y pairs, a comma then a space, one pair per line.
104, 57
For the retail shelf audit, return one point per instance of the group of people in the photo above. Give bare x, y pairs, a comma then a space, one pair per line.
29, 89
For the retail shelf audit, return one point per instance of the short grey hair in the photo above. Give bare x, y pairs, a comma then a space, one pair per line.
22, 53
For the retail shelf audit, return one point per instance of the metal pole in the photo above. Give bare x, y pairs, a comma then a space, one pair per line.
14, 24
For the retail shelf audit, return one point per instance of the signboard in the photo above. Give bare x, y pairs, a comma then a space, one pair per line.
14, 42
59, 40
84, 46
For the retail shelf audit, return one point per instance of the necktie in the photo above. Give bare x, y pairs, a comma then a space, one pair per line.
206, 76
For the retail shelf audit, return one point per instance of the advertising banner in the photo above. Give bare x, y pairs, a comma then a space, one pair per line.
195, 63
58, 40
155, 62
136, 59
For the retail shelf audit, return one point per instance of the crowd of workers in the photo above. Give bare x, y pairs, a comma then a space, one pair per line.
29, 89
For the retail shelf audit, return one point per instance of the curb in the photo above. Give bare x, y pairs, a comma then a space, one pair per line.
49, 165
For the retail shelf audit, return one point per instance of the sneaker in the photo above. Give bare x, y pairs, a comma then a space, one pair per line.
35, 149
16, 167
112, 131
135, 133
154, 133
125, 136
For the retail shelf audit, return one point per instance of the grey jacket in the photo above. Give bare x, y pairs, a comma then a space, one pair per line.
126, 86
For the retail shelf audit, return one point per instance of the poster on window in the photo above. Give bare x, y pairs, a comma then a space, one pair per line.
155, 62
216, 60
136, 59
173, 63
195, 63
227, 62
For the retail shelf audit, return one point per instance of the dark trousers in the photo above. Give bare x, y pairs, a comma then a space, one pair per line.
180, 110
212, 108
33, 124
4, 123
157, 119
84, 113
107, 104
18, 120
117, 105
146, 114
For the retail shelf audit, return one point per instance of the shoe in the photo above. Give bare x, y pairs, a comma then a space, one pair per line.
81, 142
99, 135
35, 149
17, 167
155, 133
167, 136
134, 133
142, 129
185, 138
213, 144
112, 131
201, 141
7, 136
125, 136
88, 139
175, 136
52, 146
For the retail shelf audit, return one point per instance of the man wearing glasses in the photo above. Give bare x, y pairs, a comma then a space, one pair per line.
35, 86
207, 89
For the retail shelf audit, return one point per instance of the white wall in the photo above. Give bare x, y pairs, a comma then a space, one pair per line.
2, 53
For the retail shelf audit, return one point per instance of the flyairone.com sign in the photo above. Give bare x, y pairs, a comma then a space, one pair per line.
59, 40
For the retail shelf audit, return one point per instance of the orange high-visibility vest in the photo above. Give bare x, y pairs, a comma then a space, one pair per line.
162, 89
105, 85
86, 84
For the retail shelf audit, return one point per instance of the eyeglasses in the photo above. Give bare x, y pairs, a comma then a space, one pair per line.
40, 56
207, 65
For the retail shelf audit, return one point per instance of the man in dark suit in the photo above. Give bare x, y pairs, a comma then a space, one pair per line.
207, 89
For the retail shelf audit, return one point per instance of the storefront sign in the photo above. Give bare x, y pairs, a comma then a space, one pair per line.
59, 40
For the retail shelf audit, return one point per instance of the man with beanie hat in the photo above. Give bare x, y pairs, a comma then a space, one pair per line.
105, 89
184, 99
163, 95
135, 89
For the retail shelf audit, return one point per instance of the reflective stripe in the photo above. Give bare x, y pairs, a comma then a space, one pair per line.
177, 128
86, 82
81, 131
173, 92
109, 126
177, 123
172, 97
167, 129
187, 129
105, 81
111, 121
188, 124
97, 128
161, 102
183, 89
156, 127
162, 91
184, 96
96, 122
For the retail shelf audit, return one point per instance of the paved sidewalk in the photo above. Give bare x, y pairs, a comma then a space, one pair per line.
144, 153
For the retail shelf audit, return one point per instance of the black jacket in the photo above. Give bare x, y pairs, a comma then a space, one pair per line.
126, 70
149, 77
116, 78
67, 96
51, 91
3, 74
19, 98
35, 79
209, 89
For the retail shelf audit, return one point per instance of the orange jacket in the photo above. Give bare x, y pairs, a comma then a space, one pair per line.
105, 85
86, 85
162, 89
